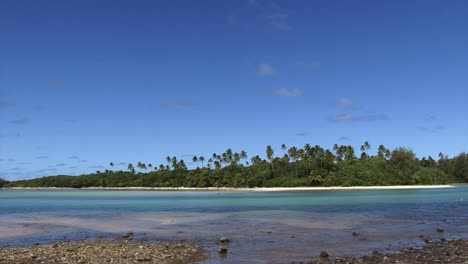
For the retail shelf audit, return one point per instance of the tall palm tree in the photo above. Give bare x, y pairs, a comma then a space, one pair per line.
131, 168
202, 160
366, 146
195, 159
169, 161
293, 155
243, 155
283, 148
269, 153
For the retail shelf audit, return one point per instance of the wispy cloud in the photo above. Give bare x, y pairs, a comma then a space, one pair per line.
97, 167
42, 157
20, 121
82, 160
265, 69
121, 163
278, 21
348, 118
302, 134
346, 102
431, 129
176, 105
287, 93
73, 167
60, 164
73, 157
10, 135
271, 14
11, 160
430, 118
344, 138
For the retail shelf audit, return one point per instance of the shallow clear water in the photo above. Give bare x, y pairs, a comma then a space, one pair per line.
268, 227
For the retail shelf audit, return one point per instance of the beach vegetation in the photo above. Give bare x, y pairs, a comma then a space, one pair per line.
293, 167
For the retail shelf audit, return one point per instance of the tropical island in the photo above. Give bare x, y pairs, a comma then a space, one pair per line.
287, 167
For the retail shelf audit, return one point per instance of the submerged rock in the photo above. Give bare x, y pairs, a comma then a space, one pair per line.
222, 250
324, 254
224, 240
440, 230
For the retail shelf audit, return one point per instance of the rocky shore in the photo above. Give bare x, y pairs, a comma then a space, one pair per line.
453, 252
98, 252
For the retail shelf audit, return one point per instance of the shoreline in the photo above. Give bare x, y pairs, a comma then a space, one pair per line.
255, 189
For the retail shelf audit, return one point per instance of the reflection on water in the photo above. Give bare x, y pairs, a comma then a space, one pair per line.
268, 227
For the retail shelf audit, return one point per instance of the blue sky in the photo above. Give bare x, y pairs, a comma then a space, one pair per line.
84, 83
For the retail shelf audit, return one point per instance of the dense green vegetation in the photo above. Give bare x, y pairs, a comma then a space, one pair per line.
3, 182
307, 166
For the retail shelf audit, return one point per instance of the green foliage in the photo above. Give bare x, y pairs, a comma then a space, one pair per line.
460, 168
3, 182
308, 166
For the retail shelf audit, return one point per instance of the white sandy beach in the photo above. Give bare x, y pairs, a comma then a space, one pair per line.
255, 189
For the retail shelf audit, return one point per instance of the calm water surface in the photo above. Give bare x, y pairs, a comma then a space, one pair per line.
267, 227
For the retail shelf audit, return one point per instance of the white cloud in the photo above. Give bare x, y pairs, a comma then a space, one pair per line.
344, 118
345, 102
288, 93
265, 69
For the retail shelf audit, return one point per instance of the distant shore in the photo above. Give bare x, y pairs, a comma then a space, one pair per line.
255, 189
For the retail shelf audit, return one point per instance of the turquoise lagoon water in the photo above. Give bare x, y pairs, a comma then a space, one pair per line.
264, 227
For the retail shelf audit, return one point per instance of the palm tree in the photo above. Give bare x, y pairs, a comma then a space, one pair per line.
202, 159
366, 146
293, 155
269, 153
243, 155
195, 159
168, 159
141, 166
131, 168
283, 148
111, 164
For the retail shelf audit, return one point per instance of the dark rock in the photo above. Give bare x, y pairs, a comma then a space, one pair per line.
362, 239
129, 235
443, 239
324, 254
355, 234
224, 240
222, 250
428, 241
440, 230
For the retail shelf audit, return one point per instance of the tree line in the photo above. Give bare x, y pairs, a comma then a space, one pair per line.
289, 167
